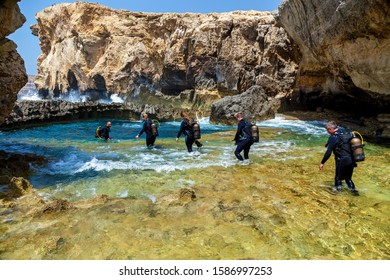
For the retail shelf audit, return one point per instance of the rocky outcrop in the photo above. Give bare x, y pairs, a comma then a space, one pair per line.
14, 168
254, 104
345, 49
19, 186
12, 71
33, 112
172, 60
166, 62
17, 165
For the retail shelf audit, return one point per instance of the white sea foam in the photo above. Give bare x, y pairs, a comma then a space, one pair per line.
161, 161
30, 95
123, 194
116, 99
151, 197
73, 96
66, 165
184, 183
298, 126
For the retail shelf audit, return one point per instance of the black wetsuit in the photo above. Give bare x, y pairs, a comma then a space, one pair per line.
243, 140
188, 131
344, 159
150, 138
105, 133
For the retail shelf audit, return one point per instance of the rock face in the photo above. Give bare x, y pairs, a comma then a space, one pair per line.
12, 71
346, 53
32, 112
166, 61
254, 104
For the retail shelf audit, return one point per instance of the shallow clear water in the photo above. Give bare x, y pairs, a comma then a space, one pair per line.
277, 207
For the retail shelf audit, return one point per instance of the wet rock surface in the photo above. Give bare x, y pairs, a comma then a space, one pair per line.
14, 169
29, 112
254, 104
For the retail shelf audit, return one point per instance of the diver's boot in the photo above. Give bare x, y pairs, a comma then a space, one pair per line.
352, 188
337, 185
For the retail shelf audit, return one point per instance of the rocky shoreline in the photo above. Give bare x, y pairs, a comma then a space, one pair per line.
31, 112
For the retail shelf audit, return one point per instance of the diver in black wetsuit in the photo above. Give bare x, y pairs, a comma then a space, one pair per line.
343, 156
187, 129
147, 128
105, 132
242, 138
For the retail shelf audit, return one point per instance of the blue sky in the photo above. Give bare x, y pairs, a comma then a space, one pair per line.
28, 44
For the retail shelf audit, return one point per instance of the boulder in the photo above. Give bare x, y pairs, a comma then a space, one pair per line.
19, 186
254, 104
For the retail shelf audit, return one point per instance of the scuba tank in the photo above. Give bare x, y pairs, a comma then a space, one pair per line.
251, 131
153, 128
196, 129
357, 146
98, 132
255, 132
154, 125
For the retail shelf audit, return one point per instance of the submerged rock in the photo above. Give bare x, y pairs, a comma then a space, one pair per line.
19, 186
57, 205
18, 165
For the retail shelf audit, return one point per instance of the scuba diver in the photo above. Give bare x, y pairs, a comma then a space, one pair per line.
186, 128
104, 132
150, 129
341, 149
243, 138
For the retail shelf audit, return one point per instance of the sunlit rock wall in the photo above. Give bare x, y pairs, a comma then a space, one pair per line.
346, 53
176, 60
12, 71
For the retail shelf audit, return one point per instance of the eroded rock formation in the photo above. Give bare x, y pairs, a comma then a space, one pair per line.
253, 103
12, 71
170, 61
346, 53
33, 112
165, 61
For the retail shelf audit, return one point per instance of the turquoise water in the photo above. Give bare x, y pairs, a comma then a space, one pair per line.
81, 166
130, 202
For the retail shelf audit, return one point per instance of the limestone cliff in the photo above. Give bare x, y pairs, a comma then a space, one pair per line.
12, 71
346, 53
162, 59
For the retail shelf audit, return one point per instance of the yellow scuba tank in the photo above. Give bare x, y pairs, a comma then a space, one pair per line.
357, 146
196, 129
153, 128
255, 132
98, 132
154, 125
